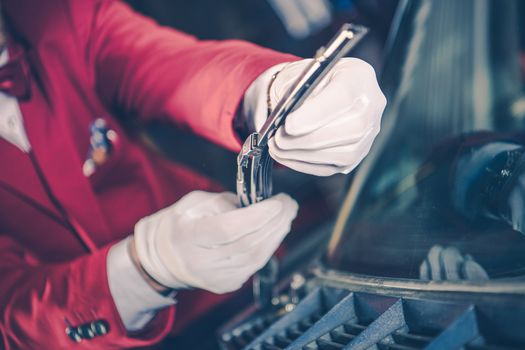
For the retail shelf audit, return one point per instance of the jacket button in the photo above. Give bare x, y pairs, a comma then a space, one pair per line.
72, 333
86, 332
99, 327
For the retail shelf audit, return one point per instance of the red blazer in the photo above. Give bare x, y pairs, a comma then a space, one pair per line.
98, 59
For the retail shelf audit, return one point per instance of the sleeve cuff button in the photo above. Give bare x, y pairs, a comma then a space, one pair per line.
86, 332
100, 327
73, 334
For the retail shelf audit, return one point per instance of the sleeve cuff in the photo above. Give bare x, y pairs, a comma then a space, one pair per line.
137, 303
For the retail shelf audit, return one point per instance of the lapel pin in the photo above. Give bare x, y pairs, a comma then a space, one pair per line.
101, 143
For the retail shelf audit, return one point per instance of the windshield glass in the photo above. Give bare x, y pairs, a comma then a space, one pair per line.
442, 194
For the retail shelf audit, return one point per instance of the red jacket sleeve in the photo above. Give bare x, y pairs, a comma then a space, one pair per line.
38, 302
156, 72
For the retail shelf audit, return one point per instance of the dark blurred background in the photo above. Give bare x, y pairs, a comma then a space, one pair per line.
279, 24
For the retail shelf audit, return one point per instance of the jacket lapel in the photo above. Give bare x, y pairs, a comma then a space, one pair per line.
18, 178
56, 141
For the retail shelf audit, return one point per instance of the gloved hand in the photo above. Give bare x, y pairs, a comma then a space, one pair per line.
206, 241
448, 264
334, 128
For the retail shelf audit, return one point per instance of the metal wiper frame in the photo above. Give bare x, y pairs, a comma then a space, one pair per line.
254, 164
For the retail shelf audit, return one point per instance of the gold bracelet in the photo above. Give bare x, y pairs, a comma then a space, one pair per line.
157, 286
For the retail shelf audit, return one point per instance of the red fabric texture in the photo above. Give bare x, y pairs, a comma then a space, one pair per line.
94, 59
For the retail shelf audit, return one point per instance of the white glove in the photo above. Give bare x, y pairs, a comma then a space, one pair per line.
206, 241
334, 128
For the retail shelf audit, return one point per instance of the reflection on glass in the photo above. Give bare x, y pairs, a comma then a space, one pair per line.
442, 195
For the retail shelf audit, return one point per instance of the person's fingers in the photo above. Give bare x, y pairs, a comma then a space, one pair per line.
221, 203
424, 271
259, 254
275, 231
190, 201
367, 146
287, 76
340, 156
324, 162
351, 88
473, 271
335, 127
194, 201
255, 249
342, 131
451, 261
231, 226
334, 102
450, 265
239, 253
327, 161
308, 168
434, 262
337, 133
